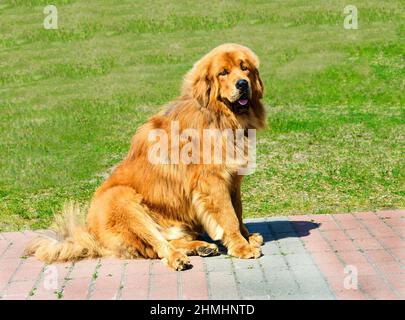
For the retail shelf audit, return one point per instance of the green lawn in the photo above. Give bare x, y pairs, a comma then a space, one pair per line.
70, 99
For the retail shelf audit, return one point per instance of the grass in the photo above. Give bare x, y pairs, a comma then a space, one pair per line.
70, 99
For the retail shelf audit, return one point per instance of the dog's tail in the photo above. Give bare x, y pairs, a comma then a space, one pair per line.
70, 240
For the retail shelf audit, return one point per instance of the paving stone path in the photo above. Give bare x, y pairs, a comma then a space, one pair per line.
342, 256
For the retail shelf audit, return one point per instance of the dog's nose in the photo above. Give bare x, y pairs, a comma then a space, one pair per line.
242, 85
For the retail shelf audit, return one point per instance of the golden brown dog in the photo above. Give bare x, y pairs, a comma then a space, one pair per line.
158, 210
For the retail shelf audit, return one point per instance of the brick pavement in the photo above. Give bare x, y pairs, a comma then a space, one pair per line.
342, 256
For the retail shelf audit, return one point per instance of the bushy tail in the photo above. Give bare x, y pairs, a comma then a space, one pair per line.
70, 240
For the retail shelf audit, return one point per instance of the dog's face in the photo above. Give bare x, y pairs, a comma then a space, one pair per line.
234, 75
228, 74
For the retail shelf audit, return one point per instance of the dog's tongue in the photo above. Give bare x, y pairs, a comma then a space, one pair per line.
243, 102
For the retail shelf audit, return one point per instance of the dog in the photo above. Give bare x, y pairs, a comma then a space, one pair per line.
149, 210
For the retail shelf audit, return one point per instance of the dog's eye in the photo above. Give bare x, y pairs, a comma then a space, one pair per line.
243, 67
223, 73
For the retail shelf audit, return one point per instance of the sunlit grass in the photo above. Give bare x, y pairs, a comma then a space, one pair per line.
70, 99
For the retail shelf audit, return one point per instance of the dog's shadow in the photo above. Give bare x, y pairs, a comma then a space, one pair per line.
273, 230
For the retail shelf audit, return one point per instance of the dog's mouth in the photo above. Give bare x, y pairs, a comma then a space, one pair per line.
241, 105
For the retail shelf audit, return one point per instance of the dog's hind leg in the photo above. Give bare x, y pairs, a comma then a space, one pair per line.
125, 215
195, 247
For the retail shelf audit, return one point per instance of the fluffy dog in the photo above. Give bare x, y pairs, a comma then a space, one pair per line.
158, 210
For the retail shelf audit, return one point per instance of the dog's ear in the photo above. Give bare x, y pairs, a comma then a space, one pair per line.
201, 89
197, 84
258, 83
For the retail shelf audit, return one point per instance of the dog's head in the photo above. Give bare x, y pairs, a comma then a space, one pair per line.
228, 74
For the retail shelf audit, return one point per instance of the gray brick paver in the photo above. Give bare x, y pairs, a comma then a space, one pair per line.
222, 285
273, 261
251, 283
299, 259
270, 248
241, 264
218, 264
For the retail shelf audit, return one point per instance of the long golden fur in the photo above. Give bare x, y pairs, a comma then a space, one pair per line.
158, 210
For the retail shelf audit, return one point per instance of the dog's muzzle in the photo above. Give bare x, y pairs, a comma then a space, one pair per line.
241, 105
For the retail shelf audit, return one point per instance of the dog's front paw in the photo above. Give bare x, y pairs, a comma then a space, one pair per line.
245, 251
255, 239
177, 261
